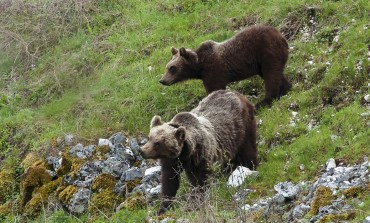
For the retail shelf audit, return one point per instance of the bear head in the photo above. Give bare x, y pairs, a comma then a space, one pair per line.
165, 140
181, 67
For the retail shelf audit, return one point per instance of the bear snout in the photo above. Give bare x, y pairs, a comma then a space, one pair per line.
164, 82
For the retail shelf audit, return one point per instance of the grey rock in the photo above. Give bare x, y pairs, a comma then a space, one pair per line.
241, 194
132, 174
300, 210
239, 175
53, 174
330, 164
69, 139
143, 141
114, 166
105, 142
79, 201
117, 138
326, 210
287, 189
82, 152
134, 145
56, 162
367, 219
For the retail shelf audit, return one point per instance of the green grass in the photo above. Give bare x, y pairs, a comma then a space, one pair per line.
86, 72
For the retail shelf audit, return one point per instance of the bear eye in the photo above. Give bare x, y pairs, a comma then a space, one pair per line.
173, 69
156, 145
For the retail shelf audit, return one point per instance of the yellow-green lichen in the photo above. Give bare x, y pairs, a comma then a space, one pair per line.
338, 217
104, 182
134, 202
30, 159
323, 196
76, 164
5, 209
7, 184
34, 178
65, 166
105, 201
132, 184
65, 193
33, 207
40, 198
101, 151
353, 191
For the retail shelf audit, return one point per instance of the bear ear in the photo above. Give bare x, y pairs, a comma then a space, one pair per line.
183, 52
180, 134
174, 51
156, 121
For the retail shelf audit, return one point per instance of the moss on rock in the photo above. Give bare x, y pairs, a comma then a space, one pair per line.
29, 160
134, 202
40, 198
105, 202
338, 217
130, 185
7, 183
353, 191
5, 209
100, 151
104, 182
65, 166
33, 178
323, 196
66, 193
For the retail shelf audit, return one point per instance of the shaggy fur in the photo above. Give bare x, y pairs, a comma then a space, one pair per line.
258, 50
221, 129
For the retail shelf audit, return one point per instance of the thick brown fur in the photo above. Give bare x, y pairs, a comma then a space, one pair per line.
256, 50
222, 128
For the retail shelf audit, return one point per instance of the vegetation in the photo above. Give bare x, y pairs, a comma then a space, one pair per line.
92, 67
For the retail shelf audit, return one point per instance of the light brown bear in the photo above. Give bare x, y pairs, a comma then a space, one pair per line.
222, 128
256, 50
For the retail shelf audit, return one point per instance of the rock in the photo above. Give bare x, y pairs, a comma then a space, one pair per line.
131, 174
117, 138
241, 194
105, 142
299, 211
54, 161
287, 189
79, 201
367, 98
238, 176
152, 170
69, 140
114, 166
53, 174
134, 145
82, 152
330, 164
367, 219
143, 141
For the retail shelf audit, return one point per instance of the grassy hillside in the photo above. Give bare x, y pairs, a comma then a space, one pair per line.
92, 68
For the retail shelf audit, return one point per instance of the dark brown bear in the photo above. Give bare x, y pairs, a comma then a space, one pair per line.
258, 50
222, 128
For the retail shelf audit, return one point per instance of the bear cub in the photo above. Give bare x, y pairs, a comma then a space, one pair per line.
222, 128
256, 50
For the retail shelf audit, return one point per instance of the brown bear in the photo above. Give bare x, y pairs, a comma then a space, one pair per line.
222, 128
258, 50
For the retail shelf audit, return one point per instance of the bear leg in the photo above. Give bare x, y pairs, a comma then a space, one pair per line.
248, 151
273, 80
170, 179
213, 85
284, 87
